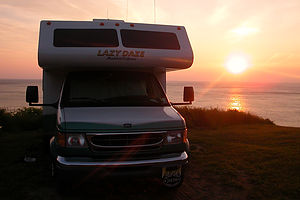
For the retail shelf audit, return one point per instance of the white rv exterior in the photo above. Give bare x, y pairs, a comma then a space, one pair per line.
105, 83
58, 61
63, 57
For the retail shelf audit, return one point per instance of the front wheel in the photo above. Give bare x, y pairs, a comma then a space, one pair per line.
62, 182
172, 177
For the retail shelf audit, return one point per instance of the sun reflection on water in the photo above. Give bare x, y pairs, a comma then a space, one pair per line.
235, 101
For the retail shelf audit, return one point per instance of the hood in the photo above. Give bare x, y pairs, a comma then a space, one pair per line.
111, 119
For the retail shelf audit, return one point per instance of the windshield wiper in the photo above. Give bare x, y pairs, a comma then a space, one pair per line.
134, 100
85, 99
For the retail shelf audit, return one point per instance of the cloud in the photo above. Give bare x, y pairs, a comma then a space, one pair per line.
244, 31
214, 27
19, 20
219, 15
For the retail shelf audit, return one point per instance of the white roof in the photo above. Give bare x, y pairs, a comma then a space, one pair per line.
53, 56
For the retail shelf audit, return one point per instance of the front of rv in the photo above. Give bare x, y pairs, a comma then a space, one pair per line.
112, 111
137, 129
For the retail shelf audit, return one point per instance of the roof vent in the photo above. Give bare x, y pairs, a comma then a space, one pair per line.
108, 20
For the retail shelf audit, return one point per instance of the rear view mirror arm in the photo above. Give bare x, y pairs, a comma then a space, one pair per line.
183, 103
46, 104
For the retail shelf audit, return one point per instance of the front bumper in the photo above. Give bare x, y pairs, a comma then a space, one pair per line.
74, 162
106, 164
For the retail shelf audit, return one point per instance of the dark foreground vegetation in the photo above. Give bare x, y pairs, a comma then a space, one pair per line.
216, 118
21, 120
244, 161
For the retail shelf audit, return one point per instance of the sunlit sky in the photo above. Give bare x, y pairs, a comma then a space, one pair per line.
266, 32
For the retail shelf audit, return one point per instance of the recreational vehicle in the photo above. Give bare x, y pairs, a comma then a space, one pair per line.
105, 83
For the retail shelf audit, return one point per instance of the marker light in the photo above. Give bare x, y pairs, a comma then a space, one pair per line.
176, 137
101, 24
131, 25
117, 24
48, 23
178, 28
61, 139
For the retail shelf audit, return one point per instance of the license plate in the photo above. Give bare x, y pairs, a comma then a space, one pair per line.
171, 173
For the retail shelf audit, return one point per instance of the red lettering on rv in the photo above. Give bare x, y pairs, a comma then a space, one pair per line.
113, 53
99, 53
137, 53
118, 52
105, 53
125, 53
142, 53
132, 54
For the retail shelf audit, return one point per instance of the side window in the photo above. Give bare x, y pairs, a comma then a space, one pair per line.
149, 39
85, 38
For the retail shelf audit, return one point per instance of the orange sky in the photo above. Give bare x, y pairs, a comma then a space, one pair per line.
268, 32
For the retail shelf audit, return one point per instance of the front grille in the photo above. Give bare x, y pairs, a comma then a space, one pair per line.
127, 140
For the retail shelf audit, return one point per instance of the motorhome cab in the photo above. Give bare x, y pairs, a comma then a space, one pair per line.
105, 80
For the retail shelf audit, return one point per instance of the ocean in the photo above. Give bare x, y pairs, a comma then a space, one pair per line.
280, 102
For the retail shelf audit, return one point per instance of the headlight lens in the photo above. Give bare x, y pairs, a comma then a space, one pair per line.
176, 137
75, 140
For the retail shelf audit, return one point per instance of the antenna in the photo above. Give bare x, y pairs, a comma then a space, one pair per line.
127, 11
154, 11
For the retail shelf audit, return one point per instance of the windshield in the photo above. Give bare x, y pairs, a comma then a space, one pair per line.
112, 89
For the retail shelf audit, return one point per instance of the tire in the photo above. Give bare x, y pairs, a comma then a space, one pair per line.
61, 180
54, 170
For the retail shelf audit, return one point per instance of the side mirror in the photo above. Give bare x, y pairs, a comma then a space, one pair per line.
32, 94
188, 94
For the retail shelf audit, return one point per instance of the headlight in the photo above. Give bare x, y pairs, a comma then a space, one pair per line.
71, 140
75, 140
176, 137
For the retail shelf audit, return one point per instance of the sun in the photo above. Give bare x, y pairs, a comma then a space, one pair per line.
237, 64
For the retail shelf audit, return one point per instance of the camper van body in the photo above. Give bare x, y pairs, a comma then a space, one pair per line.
109, 59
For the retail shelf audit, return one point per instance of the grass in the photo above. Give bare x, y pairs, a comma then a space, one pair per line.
248, 162
216, 118
233, 162
235, 155
20, 179
20, 120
